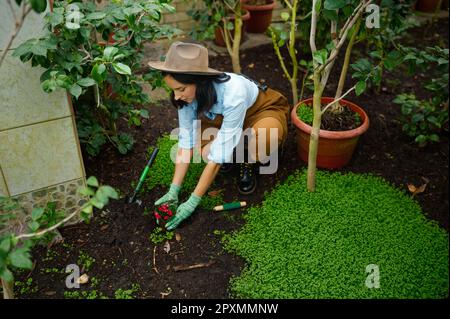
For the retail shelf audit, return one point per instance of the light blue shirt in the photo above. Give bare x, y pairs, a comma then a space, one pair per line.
234, 97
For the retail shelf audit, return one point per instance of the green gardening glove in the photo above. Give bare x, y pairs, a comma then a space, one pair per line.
184, 211
171, 196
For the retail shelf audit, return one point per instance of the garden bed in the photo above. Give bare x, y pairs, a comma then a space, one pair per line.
118, 237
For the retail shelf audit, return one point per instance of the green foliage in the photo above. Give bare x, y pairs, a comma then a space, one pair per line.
424, 120
162, 170
208, 15
305, 113
85, 294
25, 287
301, 244
421, 119
15, 248
85, 261
159, 235
127, 294
100, 74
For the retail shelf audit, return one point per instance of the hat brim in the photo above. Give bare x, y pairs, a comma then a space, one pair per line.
159, 65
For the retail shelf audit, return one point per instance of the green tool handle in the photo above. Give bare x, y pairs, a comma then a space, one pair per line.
144, 173
228, 206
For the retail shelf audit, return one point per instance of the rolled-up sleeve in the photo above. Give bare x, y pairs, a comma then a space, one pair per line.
230, 132
187, 124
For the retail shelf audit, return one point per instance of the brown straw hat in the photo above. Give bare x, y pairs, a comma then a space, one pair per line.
184, 57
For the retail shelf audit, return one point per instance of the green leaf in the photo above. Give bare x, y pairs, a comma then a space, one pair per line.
5, 245
86, 191
97, 203
49, 85
92, 181
334, 4
75, 90
6, 275
320, 56
122, 68
98, 73
38, 5
24, 48
109, 53
96, 16
20, 258
34, 226
144, 113
285, 16
109, 191
360, 87
37, 213
88, 209
86, 82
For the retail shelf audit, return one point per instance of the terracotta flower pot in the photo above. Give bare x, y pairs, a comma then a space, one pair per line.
427, 5
260, 15
219, 39
335, 147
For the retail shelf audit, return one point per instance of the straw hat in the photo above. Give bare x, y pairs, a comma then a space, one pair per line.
184, 57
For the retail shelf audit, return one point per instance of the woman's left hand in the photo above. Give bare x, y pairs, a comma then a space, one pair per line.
184, 211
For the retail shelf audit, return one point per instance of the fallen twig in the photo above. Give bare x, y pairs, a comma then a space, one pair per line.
154, 261
200, 265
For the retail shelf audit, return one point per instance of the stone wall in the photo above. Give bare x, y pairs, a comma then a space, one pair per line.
182, 21
40, 157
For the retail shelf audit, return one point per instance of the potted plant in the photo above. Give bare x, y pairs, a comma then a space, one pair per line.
213, 19
323, 62
219, 37
429, 6
260, 14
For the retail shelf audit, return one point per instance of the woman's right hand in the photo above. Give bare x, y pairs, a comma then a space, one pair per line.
171, 196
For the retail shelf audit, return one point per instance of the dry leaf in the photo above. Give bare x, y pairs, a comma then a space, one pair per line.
167, 247
411, 188
416, 190
177, 237
83, 279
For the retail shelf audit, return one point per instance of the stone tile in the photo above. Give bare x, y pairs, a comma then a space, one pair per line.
36, 156
23, 100
33, 26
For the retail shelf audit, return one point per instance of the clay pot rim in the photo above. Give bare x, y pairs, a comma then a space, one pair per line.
264, 7
245, 16
332, 134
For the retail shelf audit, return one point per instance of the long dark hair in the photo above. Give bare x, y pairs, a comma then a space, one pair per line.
205, 93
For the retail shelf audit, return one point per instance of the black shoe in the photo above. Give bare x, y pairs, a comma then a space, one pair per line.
247, 178
226, 168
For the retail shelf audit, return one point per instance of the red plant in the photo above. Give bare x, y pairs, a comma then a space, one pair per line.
164, 212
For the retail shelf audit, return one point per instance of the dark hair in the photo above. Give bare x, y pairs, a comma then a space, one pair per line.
205, 93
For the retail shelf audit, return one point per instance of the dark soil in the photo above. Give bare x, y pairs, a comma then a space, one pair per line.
118, 236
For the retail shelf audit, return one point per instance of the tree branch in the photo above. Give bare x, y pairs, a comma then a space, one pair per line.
337, 100
17, 26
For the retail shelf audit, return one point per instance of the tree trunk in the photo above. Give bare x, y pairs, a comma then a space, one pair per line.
336, 107
8, 291
237, 41
314, 138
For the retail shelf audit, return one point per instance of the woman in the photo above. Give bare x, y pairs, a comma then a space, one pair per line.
220, 106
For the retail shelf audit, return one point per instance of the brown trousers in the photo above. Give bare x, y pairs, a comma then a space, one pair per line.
270, 110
